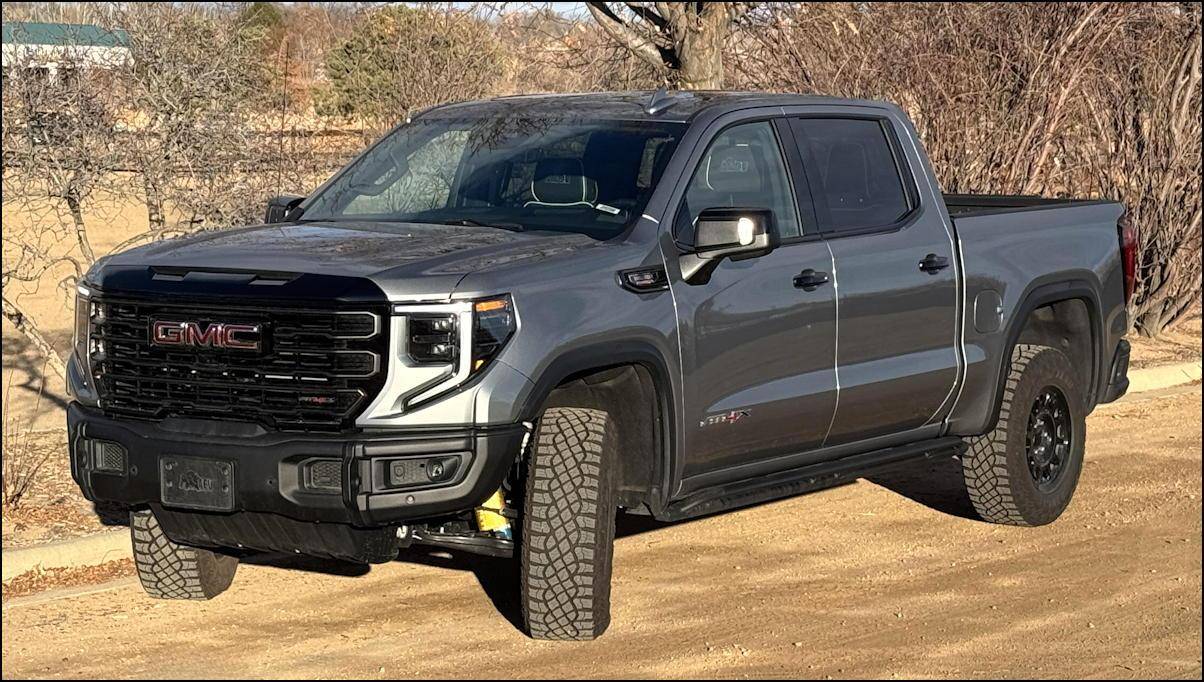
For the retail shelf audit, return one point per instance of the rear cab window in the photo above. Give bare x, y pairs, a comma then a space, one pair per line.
856, 174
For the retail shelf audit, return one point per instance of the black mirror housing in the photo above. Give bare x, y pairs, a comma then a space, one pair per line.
282, 209
735, 233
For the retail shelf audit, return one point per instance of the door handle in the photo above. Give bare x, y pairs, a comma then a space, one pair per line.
933, 263
810, 280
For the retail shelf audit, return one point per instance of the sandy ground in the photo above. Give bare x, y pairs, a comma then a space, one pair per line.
885, 577
1181, 344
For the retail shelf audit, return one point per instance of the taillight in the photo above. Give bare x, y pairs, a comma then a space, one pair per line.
1128, 257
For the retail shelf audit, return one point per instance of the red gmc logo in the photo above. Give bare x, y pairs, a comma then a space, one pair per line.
216, 335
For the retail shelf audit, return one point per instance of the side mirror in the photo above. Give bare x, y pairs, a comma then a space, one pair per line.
281, 209
719, 233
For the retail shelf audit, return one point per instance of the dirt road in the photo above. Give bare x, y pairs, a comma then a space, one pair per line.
876, 579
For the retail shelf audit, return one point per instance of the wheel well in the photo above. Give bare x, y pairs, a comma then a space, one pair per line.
629, 394
1065, 325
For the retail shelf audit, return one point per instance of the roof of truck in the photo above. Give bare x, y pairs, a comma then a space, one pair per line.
649, 105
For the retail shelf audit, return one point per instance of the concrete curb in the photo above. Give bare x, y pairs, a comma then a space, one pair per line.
94, 550
1163, 376
91, 550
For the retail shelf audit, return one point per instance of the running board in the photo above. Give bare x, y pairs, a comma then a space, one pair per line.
804, 479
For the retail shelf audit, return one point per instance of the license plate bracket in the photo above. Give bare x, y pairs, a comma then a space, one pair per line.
196, 483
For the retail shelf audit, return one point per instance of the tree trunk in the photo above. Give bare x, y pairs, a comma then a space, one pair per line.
700, 51
687, 49
23, 324
81, 232
154, 203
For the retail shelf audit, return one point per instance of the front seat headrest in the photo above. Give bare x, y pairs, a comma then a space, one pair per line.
733, 169
561, 182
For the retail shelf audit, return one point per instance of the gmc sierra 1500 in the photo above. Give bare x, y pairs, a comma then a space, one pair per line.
535, 311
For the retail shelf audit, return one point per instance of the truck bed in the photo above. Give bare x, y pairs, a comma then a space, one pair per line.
965, 205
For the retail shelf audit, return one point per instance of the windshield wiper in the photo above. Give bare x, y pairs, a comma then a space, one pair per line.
469, 222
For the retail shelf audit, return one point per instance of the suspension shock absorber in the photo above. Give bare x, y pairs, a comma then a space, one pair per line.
492, 517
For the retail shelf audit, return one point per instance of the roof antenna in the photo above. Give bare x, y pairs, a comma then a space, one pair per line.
659, 101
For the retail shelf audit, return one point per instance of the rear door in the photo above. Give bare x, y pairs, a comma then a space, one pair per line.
897, 356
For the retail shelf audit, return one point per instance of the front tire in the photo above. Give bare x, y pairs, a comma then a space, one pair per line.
172, 571
1025, 471
567, 541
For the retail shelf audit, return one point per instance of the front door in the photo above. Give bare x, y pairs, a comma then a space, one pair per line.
758, 349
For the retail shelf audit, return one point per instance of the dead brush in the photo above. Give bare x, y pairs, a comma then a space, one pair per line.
22, 460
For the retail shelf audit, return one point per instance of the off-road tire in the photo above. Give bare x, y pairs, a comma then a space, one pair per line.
996, 466
567, 540
171, 571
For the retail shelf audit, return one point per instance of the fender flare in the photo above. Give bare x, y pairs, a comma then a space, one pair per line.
1042, 293
609, 354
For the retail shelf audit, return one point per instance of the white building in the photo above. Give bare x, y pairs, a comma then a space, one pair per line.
46, 49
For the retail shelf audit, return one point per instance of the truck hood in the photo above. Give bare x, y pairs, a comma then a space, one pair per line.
406, 260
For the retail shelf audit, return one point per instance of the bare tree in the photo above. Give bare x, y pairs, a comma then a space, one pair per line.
58, 135
683, 41
1145, 117
60, 152
555, 52
191, 91
399, 59
1062, 99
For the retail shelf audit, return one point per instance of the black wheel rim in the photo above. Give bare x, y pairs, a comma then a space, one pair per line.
1048, 440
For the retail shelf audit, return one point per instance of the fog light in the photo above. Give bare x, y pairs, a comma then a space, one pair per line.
417, 472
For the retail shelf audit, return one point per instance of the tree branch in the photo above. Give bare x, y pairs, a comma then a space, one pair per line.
27, 328
640, 45
649, 15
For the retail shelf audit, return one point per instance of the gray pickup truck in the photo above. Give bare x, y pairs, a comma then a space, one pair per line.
508, 320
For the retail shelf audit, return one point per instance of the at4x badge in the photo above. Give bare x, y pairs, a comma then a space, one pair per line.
724, 418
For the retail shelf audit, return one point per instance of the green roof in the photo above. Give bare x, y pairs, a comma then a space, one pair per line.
34, 33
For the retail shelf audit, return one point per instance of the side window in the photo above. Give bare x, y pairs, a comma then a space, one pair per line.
742, 168
854, 172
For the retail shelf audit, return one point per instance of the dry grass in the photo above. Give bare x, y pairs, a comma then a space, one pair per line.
52, 508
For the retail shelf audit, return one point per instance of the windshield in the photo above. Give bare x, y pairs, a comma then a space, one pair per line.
522, 174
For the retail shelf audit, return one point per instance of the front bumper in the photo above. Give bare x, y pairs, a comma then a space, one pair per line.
268, 477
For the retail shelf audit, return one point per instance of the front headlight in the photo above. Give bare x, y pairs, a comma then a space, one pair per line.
493, 324
435, 338
432, 338
84, 311
462, 337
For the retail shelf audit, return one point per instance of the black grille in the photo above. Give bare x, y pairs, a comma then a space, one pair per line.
315, 370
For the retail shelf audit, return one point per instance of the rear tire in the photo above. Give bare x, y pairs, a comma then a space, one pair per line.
1025, 471
567, 541
172, 571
